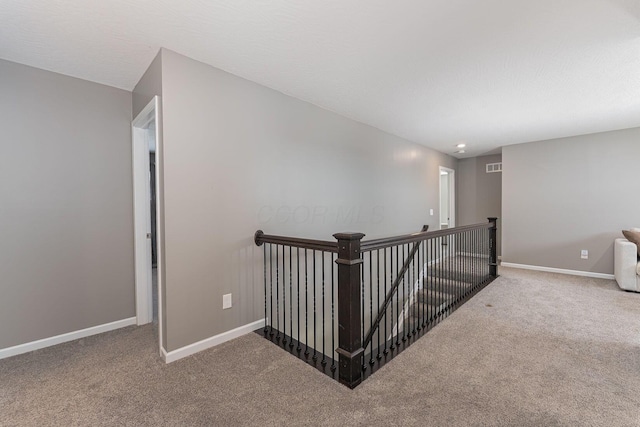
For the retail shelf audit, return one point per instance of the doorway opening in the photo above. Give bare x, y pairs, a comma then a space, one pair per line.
447, 198
148, 271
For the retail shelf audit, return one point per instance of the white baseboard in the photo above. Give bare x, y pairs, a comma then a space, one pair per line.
70, 336
559, 270
190, 349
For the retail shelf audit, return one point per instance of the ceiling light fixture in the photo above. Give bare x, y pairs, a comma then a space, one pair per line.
460, 152
461, 145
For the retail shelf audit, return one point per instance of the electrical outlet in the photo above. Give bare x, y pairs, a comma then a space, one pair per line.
584, 254
226, 301
431, 212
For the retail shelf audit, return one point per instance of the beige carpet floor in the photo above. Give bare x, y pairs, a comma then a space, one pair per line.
532, 349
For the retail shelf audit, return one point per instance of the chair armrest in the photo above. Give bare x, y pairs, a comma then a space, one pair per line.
626, 260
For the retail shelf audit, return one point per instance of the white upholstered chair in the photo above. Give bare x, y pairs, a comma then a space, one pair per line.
627, 266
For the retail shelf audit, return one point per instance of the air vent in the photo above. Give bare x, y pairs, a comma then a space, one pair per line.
494, 167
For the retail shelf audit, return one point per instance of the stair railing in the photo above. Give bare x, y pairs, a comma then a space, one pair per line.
394, 287
413, 281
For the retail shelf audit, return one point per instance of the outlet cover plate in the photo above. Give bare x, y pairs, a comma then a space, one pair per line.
226, 301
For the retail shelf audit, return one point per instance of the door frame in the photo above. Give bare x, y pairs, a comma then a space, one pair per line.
452, 195
142, 214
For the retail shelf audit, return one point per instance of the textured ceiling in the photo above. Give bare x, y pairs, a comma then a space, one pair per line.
437, 72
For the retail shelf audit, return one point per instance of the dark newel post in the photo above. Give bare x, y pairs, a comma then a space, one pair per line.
350, 351
493, 248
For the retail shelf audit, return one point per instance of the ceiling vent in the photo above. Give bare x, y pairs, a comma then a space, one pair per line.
494, 167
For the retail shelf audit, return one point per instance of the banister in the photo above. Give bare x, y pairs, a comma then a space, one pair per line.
372, 245
367, 245
319, 245
455, 264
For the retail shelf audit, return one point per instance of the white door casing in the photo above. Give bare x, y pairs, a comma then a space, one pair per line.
149, 116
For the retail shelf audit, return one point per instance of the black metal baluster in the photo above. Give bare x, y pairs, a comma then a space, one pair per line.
417, 297
290, 297
277, 295
459, 268
378, 300
432, 279
425, 282
306, 304
469, 258
324, 352
264, 251
333, 319
461, 252
453, 282
394, 321
440, 275
449, 275
315, 329
481, 253
404, 294
485, 251
408, 304
445, 271
436, 279
420, 298
284, 299
465, 260
458, 277
401, 296
451, 271
475, 252
476, 258
363, 308
488, 251
434, 272
271, 290
371, 361
461, 273
414, 292
299, 348
411, 278
386, 290
398, 314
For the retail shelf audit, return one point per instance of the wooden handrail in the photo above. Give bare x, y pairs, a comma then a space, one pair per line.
387, 242
367, 245
319, 245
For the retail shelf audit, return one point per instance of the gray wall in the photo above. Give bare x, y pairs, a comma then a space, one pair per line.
564, 195
238, 157
66, 223
478, 193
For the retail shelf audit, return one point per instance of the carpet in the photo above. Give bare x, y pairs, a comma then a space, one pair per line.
531, 349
